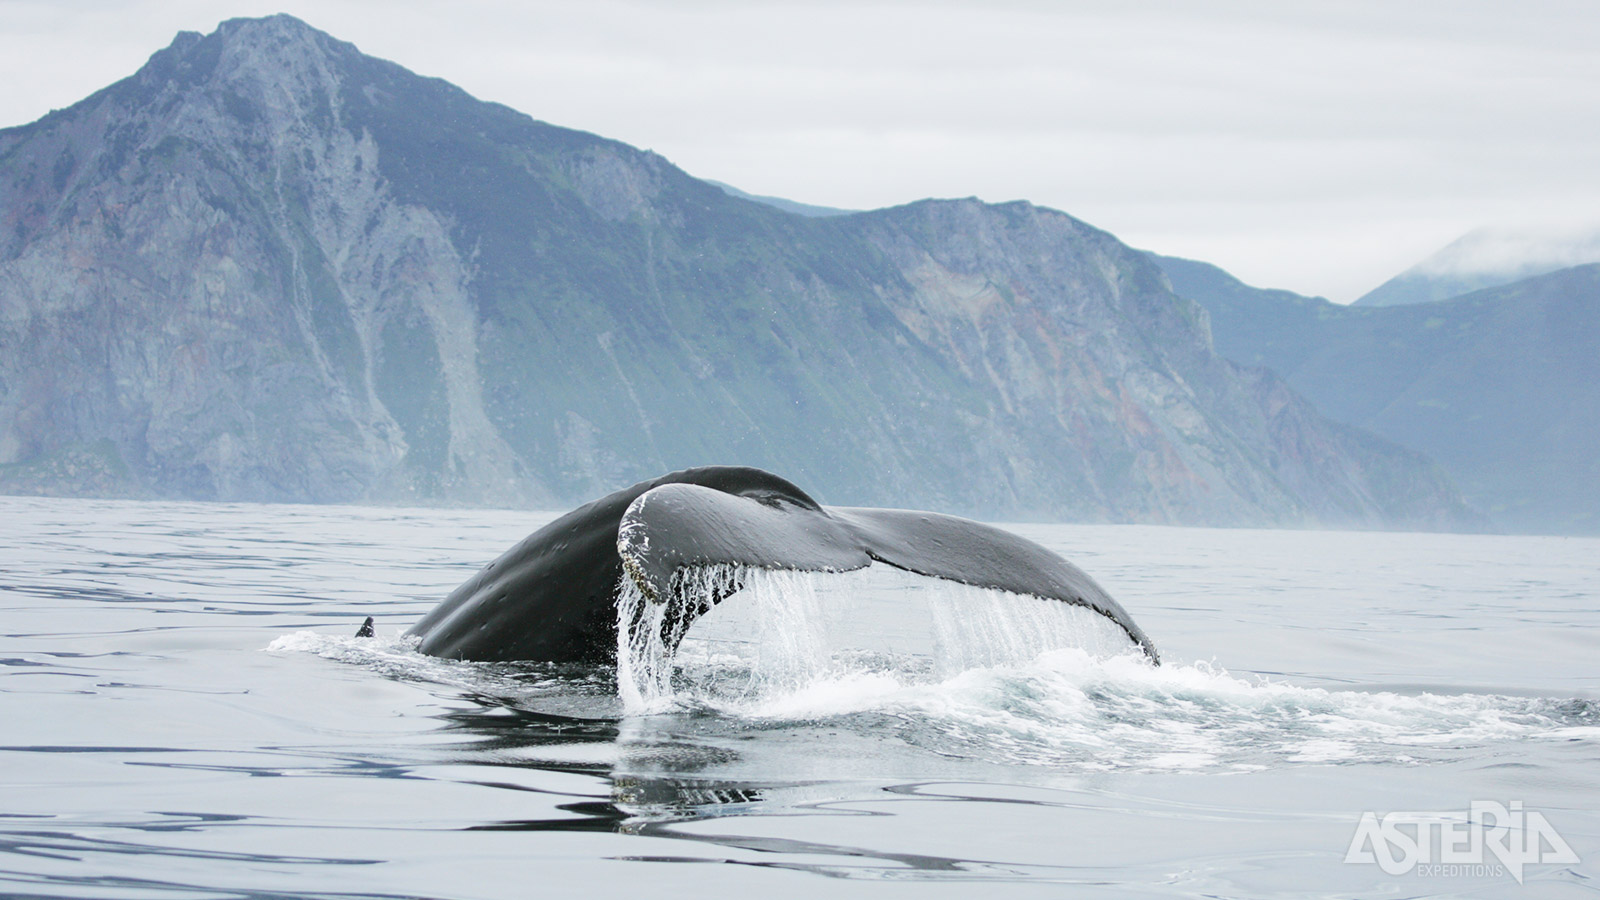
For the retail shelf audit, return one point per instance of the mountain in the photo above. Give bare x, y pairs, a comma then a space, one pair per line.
799, 209
1501, 386
268, 267
1487, 258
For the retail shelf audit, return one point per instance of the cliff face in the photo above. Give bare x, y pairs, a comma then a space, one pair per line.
269, 267
1501, 386
1102, 387
207, 284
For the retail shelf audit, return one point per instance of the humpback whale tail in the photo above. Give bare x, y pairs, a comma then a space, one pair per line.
553, 596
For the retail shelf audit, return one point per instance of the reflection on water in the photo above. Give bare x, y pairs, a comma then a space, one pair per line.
654, 791
662, 770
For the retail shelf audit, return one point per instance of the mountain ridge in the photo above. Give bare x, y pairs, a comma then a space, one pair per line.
792, 206
267, 266
1497, 385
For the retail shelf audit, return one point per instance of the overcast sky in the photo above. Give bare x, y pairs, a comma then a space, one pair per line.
1319, 147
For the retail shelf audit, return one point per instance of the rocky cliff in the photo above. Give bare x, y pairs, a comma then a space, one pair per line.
269, 267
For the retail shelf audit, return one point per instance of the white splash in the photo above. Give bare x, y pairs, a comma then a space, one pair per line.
786, 632
971, 672
649, 632
395, 656
981, 628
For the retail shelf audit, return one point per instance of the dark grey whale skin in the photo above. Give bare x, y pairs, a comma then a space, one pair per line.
552, 597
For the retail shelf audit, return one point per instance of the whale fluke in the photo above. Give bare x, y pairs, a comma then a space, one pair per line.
553, 596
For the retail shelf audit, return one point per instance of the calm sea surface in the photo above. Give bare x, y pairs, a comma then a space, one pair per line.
184, 713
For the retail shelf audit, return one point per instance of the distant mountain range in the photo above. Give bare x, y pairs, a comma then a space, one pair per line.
799, 209
1501, 386
268, 267
1486, 258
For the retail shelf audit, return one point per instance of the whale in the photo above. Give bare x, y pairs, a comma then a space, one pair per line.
553, 597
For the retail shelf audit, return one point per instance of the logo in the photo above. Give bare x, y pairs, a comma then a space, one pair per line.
1489, 841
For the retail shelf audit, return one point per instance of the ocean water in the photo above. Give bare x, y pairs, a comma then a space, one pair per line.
184, 713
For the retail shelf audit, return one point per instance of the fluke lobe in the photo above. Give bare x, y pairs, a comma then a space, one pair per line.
552, 597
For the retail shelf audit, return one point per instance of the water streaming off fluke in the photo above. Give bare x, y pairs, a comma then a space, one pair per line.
783, 630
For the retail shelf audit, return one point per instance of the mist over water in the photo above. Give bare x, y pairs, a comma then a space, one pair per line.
163, 667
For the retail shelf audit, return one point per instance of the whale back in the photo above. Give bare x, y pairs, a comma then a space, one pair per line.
552, 597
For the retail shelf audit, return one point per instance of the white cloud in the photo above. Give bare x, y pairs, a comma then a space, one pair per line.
1507, 250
